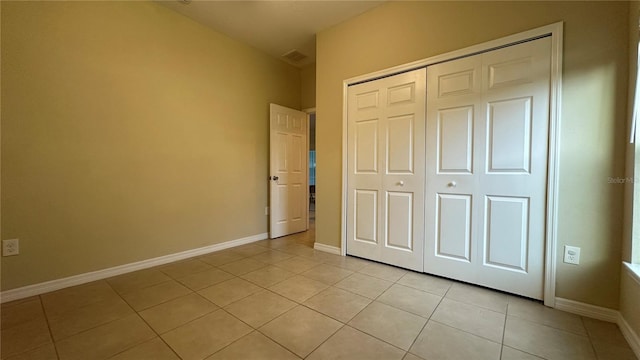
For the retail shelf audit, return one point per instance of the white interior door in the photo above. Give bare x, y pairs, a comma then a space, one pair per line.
288, 168
386, 164
487, 140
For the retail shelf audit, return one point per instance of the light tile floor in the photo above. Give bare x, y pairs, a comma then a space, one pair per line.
280, 299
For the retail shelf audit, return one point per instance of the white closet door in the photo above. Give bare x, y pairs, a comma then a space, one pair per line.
386, 165
487, 136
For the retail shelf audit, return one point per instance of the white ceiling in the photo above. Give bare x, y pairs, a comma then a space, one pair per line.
275, 27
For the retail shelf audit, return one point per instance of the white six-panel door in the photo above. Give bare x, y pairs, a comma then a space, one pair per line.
288, 169
386, 164
487, 131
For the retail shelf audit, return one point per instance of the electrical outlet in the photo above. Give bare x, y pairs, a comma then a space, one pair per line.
266, 210
571, 255
10, 247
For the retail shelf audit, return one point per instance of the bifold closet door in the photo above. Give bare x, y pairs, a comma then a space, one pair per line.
487, 138
386, 167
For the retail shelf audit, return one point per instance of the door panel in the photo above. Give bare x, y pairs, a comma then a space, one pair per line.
454, 227
455, 140
487, 125
386, 162
506, 233
288, 171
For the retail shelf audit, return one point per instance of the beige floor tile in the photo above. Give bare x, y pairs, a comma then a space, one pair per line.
272, 256
254, 346
268, 276
137, 280
9, 304
298, 249
338, 304
424, 282
298, 288
69, 323
46, 352
409, 299
513, 354
260, 308
23, 337
155, 294
301, 330
395, 326
21, 313
470, 318
276, 243
243, 266
537, 312
201, 280
546, 342
364, 285
176, 312
154, 349
249, 250
327, 274
221, 257
382, 271
206, 335
410, 356
297, 264
479, 296
347, 262
229, 291
439, 341
77, 296
604, 332
606, 351
350, 344
106, 340
183, 268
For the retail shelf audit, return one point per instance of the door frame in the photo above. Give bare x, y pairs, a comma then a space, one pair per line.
555, 31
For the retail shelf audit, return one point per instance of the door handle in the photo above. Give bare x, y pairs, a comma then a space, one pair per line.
452, 184
401, 183
274, 178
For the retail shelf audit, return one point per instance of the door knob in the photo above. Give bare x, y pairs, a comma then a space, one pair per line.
452, 184
401, 183
274, 178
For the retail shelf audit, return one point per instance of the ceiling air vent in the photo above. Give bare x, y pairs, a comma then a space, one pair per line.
294, 56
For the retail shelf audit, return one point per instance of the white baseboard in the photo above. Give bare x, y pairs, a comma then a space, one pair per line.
604, 314
591, 311
327, 248
630, 335
41, 288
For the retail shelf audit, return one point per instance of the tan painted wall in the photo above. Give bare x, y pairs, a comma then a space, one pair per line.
593, 114
630, 289
128, 132
308, 81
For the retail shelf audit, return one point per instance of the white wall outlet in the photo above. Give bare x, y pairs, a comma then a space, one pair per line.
266, 210
10, 247
571, 254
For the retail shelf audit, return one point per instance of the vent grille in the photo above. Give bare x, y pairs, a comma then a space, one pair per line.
294, 56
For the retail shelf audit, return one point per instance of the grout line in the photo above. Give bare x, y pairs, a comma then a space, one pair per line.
46, 319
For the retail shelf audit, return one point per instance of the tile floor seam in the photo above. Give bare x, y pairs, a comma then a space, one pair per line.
46, 319
466, 332
425, 324
143, 287
595, 353
324, 341
586, 335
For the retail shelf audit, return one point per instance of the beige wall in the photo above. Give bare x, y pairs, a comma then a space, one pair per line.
629, 288
593, 114
128, 132
308, 86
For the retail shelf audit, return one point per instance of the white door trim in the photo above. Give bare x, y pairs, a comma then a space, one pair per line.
556, 32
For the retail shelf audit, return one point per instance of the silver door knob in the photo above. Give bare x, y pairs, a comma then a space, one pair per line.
274, 178
452, 184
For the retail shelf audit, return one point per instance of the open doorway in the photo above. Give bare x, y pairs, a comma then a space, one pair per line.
312, 168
